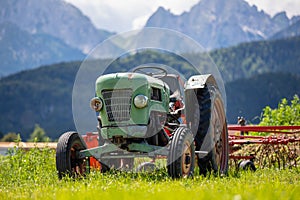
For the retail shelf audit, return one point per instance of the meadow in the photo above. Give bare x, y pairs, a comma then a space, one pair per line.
32, 175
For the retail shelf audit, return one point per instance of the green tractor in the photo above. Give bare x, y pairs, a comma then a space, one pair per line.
150, 113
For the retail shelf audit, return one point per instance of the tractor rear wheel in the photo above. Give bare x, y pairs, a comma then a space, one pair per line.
181, 159
67, 161
212, 135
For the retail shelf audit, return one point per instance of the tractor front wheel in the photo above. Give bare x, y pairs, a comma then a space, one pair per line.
67, 161
181, 159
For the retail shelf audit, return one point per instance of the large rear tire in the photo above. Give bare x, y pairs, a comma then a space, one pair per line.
212, 134
181, 159
67, 161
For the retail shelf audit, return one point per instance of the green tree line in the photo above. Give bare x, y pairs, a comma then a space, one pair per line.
38, 135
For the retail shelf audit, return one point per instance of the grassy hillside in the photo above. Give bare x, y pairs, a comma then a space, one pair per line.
41, 96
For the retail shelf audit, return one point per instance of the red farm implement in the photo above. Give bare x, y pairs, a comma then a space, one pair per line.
266, 146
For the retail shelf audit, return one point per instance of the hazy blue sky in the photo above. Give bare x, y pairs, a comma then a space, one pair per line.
125, 15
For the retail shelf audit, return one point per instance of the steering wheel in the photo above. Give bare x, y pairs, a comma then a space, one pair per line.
157, 72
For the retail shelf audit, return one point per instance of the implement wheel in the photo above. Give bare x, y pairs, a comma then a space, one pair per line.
247, 165
67, 161
181, 159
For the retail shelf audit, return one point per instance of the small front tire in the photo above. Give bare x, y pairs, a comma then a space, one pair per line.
181, 159
67, 161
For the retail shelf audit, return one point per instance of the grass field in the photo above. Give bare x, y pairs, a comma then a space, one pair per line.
32, 175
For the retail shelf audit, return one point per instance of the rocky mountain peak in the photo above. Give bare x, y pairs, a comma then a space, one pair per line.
219, 23
54, 17
39, 32
281, 19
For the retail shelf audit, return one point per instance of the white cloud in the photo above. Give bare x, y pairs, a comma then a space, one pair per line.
140, 22
116, 15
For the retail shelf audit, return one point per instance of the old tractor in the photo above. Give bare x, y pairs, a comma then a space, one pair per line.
150, 113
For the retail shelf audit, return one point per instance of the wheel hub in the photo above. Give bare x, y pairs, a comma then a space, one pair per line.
186, 160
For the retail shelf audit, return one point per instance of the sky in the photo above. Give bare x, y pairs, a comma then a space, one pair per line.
125, 15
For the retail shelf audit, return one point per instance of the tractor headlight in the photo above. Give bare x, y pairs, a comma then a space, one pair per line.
96, 104
140, 101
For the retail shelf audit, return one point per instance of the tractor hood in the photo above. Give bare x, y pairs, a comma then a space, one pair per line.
126, 80
118, 92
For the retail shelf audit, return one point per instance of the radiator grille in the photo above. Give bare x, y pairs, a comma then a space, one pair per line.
118, 104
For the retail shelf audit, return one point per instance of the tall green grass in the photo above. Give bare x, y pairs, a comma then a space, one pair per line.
32, 175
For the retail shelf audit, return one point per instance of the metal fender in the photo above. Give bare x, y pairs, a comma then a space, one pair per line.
199, 81
194, 88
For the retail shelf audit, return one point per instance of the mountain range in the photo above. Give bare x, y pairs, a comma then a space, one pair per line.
290, 31
218, 23
20, 50
40, 32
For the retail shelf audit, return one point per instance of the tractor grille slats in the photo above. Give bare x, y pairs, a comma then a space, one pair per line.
118, 104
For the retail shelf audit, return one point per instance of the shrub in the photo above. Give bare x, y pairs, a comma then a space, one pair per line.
285, 114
